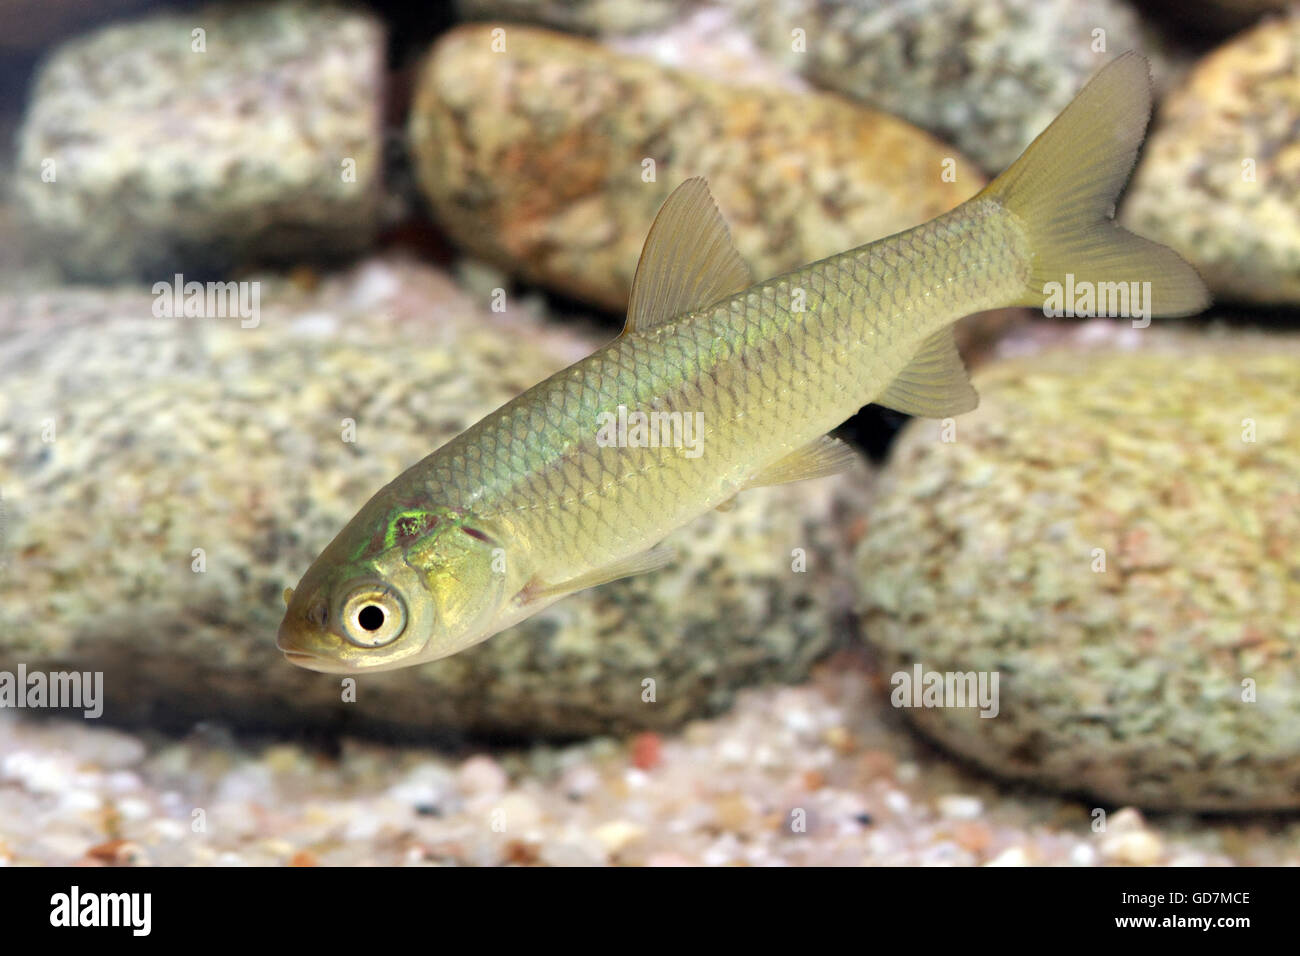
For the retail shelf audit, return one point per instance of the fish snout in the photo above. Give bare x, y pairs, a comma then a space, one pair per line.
303, 631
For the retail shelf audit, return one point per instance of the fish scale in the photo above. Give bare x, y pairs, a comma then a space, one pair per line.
529, 505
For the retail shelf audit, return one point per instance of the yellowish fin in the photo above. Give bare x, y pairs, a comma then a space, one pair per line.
825, 456
1064, 187
688, 260
935, 384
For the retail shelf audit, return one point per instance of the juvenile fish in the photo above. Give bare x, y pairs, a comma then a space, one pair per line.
716, 385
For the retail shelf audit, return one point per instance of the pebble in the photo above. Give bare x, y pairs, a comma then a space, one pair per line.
733, 752
813, 780
580, 781
359, 808
647, 751
635, 779
840, 739
976, 837
482, 776
722, 851
959, 807
362, 826
39, 773
1137, 848
877, 763
800, 721
169, 829
734, 811
251, 782
897, 801
77, 801
519, 811
1012, 856
1083, 855
119, 853
427, 788
618, 835
123, 781
580, 850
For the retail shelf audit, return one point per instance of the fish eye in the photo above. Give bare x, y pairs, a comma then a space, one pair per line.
373, 616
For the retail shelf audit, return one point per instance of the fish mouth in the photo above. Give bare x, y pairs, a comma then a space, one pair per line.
314, 662
295, 655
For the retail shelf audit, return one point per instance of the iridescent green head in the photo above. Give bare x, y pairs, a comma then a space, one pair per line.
400, 585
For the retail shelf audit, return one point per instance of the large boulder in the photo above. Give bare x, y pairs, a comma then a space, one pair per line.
1114, 533
128, 441
1220, 177
550, 156
985, 75
207, 139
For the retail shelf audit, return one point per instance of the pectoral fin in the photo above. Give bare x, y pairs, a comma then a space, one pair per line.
642, 563
825, 456
935, 384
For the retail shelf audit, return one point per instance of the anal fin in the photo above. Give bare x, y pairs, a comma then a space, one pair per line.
817, 459
934, 384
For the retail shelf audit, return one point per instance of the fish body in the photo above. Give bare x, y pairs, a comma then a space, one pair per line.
718, 384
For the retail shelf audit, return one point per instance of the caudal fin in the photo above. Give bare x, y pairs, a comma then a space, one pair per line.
1063, 190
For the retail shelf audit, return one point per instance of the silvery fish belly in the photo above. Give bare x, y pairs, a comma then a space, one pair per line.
716, 385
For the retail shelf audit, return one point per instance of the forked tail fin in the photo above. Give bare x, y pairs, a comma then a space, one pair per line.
1063, 190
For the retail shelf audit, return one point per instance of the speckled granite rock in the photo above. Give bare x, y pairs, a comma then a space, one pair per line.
176, 434
166, 159
1125, 683
532, 158
578, 16
710, 41
986, 76
1240, 226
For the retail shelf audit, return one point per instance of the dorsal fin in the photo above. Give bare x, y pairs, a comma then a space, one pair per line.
934, 384
688, 260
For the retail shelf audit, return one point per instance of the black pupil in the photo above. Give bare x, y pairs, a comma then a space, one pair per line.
371, 617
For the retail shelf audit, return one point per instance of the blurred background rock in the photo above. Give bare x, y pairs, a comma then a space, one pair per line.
385, 174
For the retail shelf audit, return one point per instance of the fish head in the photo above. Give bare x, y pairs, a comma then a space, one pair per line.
427, 584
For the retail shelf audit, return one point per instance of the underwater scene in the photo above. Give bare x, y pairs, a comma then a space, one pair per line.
672, 433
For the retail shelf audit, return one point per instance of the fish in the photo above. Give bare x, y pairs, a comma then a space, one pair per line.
718, 384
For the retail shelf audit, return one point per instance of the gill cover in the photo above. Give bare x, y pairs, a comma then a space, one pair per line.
463, 575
